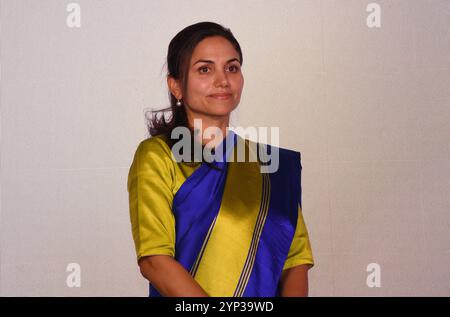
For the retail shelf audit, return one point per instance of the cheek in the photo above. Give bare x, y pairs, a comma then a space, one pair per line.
198, 86
239, 83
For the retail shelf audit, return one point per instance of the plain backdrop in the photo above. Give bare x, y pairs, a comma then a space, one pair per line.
368, 108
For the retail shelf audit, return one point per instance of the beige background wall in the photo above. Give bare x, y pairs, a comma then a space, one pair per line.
367, 107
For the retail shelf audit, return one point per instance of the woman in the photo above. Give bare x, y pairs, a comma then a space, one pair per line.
220, 228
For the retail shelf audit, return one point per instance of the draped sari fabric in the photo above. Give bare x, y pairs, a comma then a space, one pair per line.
236, 227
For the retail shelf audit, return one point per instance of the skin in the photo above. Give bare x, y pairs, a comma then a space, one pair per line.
294, 281
206, 78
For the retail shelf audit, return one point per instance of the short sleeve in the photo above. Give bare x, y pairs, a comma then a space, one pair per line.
300, 251
149, 185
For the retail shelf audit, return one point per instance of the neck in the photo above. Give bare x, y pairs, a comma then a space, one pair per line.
220, 122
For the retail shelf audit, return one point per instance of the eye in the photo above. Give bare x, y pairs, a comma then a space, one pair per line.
202, 68
235, 67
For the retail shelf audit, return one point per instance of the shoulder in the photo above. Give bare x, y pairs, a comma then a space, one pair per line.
152, 153
282, 152
154, 146
290, 154
286, 156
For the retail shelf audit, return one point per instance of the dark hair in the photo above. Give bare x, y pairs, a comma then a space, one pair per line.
179, 55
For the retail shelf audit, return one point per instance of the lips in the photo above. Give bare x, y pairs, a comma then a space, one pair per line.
221, 96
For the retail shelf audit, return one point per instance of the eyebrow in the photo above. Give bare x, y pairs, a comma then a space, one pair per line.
211, 62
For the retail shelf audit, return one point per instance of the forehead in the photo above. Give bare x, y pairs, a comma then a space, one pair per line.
214, 47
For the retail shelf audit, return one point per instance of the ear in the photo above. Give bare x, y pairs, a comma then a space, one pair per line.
174, 87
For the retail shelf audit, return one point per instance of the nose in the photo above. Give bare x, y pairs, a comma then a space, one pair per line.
221, 79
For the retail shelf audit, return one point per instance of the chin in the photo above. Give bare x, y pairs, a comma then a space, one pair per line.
222, 113
218, 110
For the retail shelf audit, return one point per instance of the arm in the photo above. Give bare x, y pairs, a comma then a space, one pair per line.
150, 186
294, 281
169, 277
